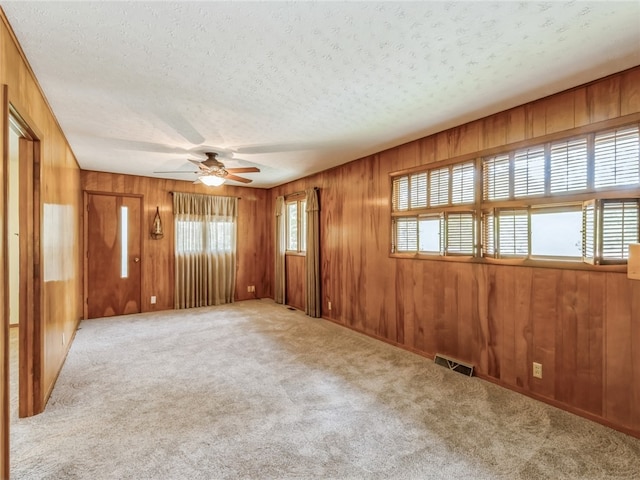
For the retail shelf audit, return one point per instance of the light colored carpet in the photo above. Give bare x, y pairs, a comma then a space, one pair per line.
253, 390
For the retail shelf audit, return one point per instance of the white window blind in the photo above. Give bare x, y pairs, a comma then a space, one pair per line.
460, 237
418, 184
400, 198
513, 233
407, 234
619, 228
488, 234
462, 183
568, 166
496, 178
617, 157
292, 226
439, 187
528, 172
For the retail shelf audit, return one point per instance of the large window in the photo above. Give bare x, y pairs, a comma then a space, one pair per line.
296, 226
573, 199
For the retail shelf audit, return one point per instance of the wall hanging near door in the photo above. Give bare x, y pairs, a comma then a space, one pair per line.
156, 229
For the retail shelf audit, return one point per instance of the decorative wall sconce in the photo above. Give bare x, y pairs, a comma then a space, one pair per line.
156, 228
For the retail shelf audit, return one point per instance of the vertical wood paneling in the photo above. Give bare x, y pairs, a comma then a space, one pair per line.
630, 92
494, 131
254, 227
408, 155
427, 149
295, 290
619, 367
516, 125
603, 99
523, 325
331, 220
543, 306
60, 302
501, 318
559, 113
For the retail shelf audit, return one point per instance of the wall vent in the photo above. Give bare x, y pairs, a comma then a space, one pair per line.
453, 364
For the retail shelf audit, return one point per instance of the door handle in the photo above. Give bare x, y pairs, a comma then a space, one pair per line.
137, 259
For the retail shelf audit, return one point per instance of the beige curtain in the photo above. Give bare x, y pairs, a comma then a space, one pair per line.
205, 249
314, 300
279, 280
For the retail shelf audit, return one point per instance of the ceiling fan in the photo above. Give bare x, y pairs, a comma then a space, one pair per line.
212, 171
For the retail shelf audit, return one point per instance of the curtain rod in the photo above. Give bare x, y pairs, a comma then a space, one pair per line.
195, 193
299, 192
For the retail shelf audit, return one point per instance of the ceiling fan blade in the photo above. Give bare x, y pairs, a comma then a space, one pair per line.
175, 171
243, 170
237, 179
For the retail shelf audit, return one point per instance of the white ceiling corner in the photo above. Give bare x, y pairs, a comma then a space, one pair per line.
298, 87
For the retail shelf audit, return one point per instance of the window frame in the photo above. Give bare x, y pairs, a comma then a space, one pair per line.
560, 192
301, 244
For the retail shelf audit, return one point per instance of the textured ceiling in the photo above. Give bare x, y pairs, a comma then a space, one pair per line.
298, 87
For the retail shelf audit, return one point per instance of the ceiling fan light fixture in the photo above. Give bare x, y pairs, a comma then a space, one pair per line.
212, 180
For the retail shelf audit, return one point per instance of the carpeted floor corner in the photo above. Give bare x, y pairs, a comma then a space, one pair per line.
253, 390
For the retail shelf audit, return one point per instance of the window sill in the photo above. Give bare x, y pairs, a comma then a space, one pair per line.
514, 262
295, 254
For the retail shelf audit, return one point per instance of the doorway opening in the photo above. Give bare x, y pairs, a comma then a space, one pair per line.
23, 245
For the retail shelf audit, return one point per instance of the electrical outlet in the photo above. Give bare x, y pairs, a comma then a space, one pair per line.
253, 288
153, 299
329, 305
537, 370
248, 288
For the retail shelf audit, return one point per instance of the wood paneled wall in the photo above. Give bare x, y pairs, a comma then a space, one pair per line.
61, 300
583, 326
254, 234
295, 291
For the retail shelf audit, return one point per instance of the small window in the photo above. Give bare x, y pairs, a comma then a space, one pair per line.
296, 226
568, 166
460, 234
439, 187
513, 233
496, 178
406, 234
429, 234
617, 157
529, 172
557, 233
619, 228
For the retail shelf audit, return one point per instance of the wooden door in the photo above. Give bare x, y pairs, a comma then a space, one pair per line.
114, 254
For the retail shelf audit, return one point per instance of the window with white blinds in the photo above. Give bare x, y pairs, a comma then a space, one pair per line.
529, 172
423, 222
530, 203
619, 228
444, 234
568, 166
617, 157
